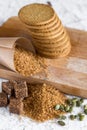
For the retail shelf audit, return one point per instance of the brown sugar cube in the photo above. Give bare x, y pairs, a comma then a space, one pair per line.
3, 99
16, 106
21, 90
7, 87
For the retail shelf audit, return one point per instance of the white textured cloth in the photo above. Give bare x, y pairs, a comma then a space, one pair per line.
73, 14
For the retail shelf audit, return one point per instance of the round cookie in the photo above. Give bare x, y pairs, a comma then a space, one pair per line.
45, 26
53, 49
66, 52
42, 30
48, 36
57, 44
45, 34
56, 55
51, 40
36, 14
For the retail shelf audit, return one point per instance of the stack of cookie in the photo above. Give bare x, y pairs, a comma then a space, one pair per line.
49, 37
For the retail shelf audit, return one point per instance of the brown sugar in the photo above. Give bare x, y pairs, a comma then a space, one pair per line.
26, 63
39, 105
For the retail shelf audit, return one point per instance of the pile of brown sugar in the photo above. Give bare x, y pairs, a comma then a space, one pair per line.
39, 105
26, 63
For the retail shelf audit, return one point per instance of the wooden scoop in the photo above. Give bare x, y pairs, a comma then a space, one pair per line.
7, 47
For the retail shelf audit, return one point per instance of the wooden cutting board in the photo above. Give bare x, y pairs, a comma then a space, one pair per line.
68, 74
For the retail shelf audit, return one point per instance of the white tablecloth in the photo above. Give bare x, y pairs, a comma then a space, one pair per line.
73, 13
